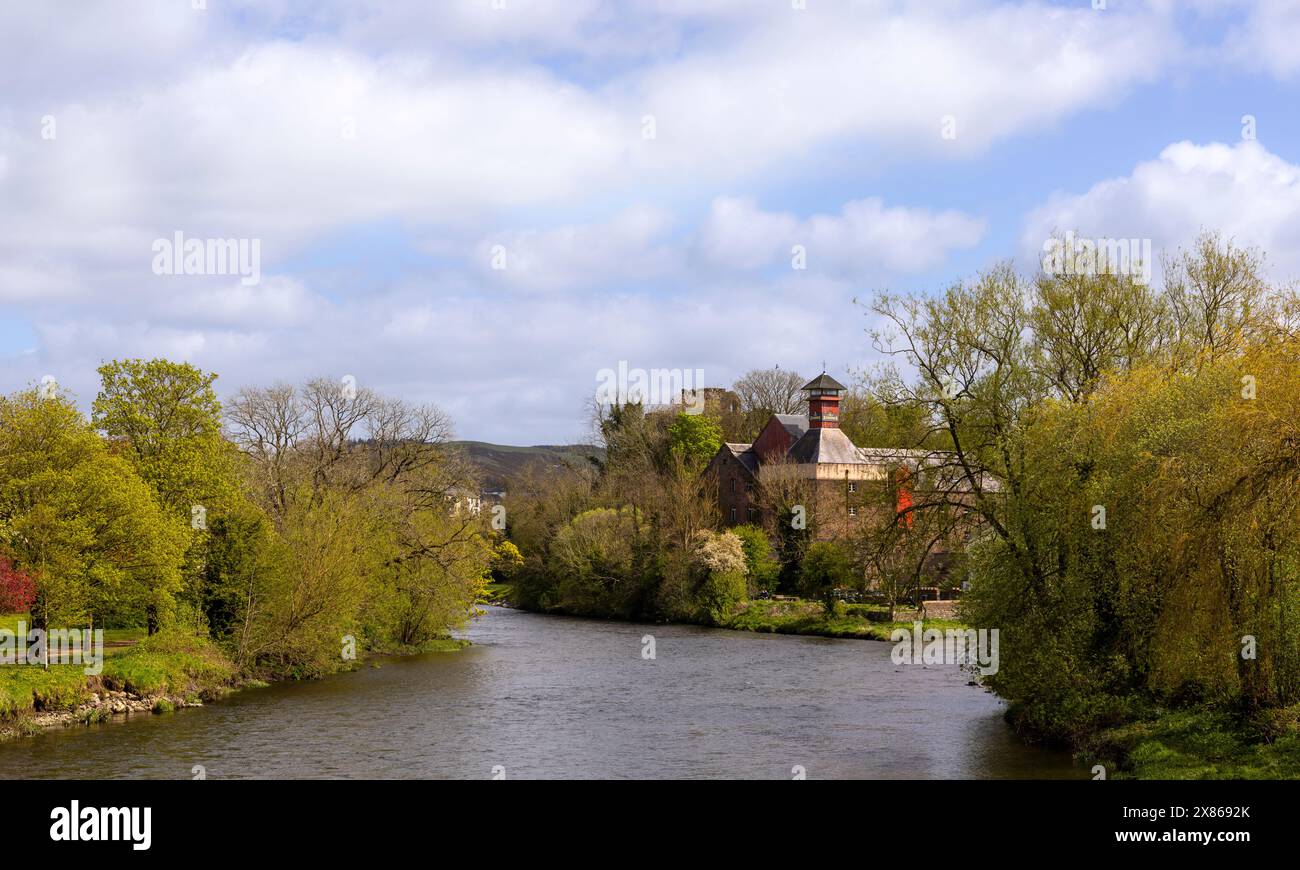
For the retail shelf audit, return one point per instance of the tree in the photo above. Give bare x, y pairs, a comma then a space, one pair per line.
764, 392
80, 521
761, 567
168, 417
826, 566
695, 438
770, 391
506, 560
1119, 460
720, 560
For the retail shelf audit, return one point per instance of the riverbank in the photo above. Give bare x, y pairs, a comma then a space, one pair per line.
853, 621
789, 616
1199, 744
165, 672
155, 675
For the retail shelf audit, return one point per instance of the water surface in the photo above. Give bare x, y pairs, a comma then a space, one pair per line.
548, 696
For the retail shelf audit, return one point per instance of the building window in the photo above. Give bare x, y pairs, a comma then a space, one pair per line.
853, 487
733, 484
749, 487
733, 515
751, 513
853, 512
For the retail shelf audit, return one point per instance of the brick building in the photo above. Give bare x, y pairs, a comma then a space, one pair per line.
842, 483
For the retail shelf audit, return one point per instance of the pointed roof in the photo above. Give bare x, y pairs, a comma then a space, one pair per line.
744, 454
823, 382
795, 424
825, 445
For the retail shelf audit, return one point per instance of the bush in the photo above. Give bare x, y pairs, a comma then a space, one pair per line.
825, 566
762, 568
17, 588
718, 595
720, 553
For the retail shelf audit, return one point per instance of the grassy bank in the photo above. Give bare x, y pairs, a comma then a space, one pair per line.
496, 593
162, 672
171, 669
857, 621
1200, 744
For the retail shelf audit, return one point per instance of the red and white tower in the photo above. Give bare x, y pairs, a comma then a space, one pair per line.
824, 393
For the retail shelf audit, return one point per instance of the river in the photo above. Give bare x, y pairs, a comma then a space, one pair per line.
548, 696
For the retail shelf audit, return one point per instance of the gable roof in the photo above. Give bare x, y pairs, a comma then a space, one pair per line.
795, 424
744, 454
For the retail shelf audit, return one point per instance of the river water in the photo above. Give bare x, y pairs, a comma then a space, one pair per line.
549, 696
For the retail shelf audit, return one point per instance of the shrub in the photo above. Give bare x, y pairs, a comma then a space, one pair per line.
825, 566
17, 588
720, 553
718, 595
762, 568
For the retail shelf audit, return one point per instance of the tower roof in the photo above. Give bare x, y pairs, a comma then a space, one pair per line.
823, 382
825, 445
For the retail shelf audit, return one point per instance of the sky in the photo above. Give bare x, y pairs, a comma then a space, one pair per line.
483, 204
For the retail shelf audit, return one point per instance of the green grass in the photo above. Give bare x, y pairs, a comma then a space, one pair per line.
171, 662
113, 637
1196, 745
810, 617
24, 688
495, 593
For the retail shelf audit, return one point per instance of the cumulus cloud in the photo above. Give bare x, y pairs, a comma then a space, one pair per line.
1244, 191
458, 127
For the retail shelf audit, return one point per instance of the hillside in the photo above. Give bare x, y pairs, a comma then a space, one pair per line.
500, 462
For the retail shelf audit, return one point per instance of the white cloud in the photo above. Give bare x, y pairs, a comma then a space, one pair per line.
1244, 191
632, 247
232, 123
866, 236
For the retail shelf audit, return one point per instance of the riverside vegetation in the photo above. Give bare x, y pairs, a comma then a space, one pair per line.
265, 540
1140, 553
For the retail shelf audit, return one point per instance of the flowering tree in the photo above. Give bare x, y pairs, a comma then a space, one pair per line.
17, 588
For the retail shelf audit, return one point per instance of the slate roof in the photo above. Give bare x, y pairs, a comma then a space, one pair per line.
795, 424
745, 455
825, 445
823, 382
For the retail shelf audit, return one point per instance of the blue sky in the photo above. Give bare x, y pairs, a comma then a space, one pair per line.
382, 159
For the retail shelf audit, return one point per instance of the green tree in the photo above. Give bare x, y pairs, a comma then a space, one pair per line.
80, 520
695, 438
762, 568
826, 566
168, 417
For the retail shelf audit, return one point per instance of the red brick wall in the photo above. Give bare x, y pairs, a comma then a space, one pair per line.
773, 441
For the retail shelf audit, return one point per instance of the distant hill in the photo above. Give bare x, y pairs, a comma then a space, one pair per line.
500, 462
